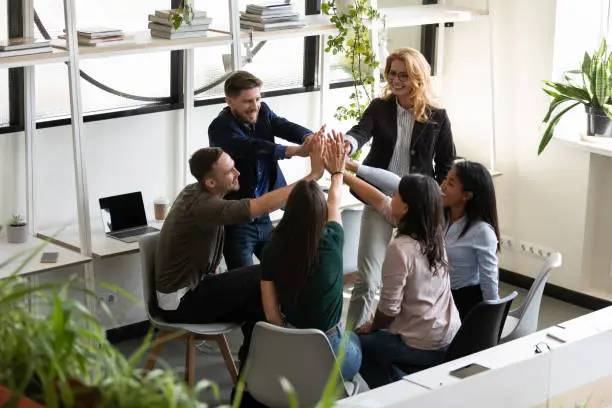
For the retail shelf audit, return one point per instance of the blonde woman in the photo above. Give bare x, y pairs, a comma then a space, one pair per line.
410, 135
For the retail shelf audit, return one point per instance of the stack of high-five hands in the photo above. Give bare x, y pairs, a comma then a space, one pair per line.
328, 152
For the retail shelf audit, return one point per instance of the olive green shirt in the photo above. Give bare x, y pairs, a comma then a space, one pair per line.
319, 304
191, 241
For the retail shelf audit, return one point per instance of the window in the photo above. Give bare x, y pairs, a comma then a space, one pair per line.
577, 29
143, 75
391, 39
4, 99
279, 63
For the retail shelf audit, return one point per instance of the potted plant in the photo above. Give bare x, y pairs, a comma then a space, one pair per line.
184, 13
57, 355
17, 231
353, 19
591, 86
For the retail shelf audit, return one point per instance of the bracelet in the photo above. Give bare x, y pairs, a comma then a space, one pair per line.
337, 172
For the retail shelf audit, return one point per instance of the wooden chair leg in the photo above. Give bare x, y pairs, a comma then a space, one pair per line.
155, 351
227, 357
190, 361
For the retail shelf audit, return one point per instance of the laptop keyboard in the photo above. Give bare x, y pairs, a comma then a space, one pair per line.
134, 232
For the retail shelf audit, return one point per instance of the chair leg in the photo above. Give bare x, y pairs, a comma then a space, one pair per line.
190, 361
227, 356
157, 348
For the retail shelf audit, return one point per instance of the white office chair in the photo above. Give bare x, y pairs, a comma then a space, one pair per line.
524, 319
191, 332
302, 356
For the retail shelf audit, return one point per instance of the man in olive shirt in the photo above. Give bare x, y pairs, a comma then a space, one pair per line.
188, 287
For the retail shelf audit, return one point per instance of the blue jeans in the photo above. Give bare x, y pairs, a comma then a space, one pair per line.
244, 240
352, 354
382, 349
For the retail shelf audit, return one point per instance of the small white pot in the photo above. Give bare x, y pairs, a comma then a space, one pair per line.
17, 235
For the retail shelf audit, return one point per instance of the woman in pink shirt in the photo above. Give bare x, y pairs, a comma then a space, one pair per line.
416, 318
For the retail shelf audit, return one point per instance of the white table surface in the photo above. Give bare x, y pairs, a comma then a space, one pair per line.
102, 246
495, 357
66, 257
387, 395
519, 349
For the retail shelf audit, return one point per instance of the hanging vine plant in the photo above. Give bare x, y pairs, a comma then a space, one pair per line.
353, 18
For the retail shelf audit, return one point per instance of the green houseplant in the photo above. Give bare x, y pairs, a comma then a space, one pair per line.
61, 358
184, 13
17, 231
352, 41
591, 86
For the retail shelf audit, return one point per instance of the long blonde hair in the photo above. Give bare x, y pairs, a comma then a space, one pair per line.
418, 69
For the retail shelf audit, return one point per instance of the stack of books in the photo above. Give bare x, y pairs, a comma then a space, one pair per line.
161, 25
23, 46
98, 36
270, 16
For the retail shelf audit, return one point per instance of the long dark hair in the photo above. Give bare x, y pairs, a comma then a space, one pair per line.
475, 177
296, 239
424, 220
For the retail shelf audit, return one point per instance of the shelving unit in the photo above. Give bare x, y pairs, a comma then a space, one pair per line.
141, 43
408, 16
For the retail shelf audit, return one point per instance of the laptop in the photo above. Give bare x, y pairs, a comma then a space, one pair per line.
124, 217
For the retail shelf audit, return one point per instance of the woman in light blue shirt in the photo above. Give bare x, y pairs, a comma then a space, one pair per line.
472, 234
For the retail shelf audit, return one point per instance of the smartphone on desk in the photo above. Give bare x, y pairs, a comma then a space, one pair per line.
49, 257
468, 370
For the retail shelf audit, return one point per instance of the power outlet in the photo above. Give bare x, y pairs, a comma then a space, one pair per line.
109, 298
507, 242
535, 250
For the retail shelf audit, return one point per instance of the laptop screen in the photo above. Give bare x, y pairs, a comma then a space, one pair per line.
123, 211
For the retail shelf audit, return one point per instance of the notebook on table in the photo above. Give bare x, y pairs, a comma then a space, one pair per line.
124, 217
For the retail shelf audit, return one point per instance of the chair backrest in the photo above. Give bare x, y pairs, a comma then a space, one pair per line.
481, 328
528, 312
302, 356
148, 248
351, 222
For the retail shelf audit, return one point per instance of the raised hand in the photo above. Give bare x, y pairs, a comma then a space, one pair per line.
306, 147
317, 165
335, 153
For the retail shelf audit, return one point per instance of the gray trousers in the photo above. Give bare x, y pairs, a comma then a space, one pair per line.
374, 238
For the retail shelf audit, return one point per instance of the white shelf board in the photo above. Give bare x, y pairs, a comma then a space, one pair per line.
599, 145
141, 42
34, 59
317, 24
65, 258
407, 16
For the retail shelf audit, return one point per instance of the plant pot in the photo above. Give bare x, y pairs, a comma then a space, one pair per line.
23, 402
17, 234
598, 123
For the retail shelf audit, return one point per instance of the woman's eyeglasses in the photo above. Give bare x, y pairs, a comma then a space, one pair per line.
402, 76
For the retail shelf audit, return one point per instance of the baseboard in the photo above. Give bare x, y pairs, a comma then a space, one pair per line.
131, 331
554, 291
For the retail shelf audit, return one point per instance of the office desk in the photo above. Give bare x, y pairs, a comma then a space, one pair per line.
519, 349
101, 245
66, 257
385, 396
495, 357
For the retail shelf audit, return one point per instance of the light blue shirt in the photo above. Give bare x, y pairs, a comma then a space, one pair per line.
472, 258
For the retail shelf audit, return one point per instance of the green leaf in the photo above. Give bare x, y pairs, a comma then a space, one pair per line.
548, 133
601, 85
553, 105
570, 91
